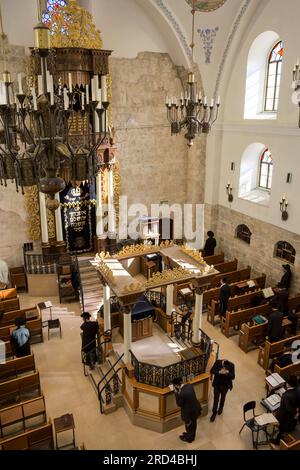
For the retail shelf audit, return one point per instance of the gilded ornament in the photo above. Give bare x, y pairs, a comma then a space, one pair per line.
72, 26
32, 208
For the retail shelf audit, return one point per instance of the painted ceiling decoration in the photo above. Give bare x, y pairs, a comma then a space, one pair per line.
207, 5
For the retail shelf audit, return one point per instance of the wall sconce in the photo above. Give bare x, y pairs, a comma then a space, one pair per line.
283, 208
229, 189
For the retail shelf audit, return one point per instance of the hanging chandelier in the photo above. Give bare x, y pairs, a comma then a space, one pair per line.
37, 140
192, 111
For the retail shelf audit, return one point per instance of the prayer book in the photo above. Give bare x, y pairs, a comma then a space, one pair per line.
275, 380
43, 305
266, 418
251, 283
268, 292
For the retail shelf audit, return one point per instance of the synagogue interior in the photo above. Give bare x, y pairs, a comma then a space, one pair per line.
149, 242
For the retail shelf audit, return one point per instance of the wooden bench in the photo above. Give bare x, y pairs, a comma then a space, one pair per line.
16, 390
227, 267
27, 313
214, 293
16, 367
270, 350
35, 327
215, 259
236, 319
19, 418
292, 369
37, 439
289, 443
250, 335
9, 305
238, 301
233, 276
9, 352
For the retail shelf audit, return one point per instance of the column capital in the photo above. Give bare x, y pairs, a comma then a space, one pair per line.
200, 290
126, 310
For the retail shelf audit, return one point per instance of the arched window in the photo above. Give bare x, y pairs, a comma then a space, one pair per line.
243, 233
265, 170
52, 5
273, 77
286, 251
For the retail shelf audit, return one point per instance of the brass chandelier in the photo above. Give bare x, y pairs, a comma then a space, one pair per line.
191, 111
36, 139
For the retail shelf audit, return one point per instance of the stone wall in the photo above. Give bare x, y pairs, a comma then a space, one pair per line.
12, 212
260, 253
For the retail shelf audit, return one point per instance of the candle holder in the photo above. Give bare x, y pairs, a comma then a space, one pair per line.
229, 190
283, 208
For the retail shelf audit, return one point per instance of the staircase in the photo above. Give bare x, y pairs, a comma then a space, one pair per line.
109, 377
92, 288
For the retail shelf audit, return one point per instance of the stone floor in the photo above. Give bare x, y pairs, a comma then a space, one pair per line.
68, 391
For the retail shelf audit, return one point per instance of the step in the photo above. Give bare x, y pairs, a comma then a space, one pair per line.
118, 400
109, 408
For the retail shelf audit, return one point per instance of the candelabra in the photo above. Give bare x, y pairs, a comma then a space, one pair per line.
191, 112
36, 140
229, 190
283, 208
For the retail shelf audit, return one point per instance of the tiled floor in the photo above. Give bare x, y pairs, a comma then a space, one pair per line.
67, 390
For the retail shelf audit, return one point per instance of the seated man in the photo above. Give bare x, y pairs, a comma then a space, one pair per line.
282, 361
294, 317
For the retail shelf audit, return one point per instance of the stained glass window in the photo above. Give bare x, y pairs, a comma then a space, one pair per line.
265, 170
52, 5
273, 77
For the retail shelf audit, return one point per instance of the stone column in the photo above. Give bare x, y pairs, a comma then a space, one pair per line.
106, 306
111, 207
43, 219
99, 210
127, 327
58, 222
197, 321
169, 303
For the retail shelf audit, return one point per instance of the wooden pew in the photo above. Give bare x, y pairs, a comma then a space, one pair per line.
289, 443
14, 391
238, 301
9, 305
214, 293
26, 313
270, 350
16, 367
227, 267
37, 439
233, 276
35, 327
250, 334
236, 319
18, 418
215, 259
293, 369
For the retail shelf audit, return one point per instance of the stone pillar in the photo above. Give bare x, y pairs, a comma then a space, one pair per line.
197, 321
127, 327
99, 210
43, 219
106, 306
169, 303
58, 222
111, 207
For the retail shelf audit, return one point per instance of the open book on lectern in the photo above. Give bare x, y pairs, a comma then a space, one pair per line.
44, 305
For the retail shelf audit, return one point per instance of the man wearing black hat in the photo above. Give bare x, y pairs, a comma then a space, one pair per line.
285, 282
89, 335
210, 244
190, 408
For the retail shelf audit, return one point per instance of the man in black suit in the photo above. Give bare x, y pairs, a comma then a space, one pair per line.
224, 297
281, 300
210, 244
288, 410
190, 408
223, 372
275, 330
285, 282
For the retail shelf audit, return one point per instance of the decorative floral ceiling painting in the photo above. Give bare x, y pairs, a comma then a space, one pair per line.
206, 5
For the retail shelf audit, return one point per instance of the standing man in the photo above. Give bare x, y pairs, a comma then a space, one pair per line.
285, 281
275, 330
20, 338
190, 408
223, 372
224, 297
210, 244
89, 339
